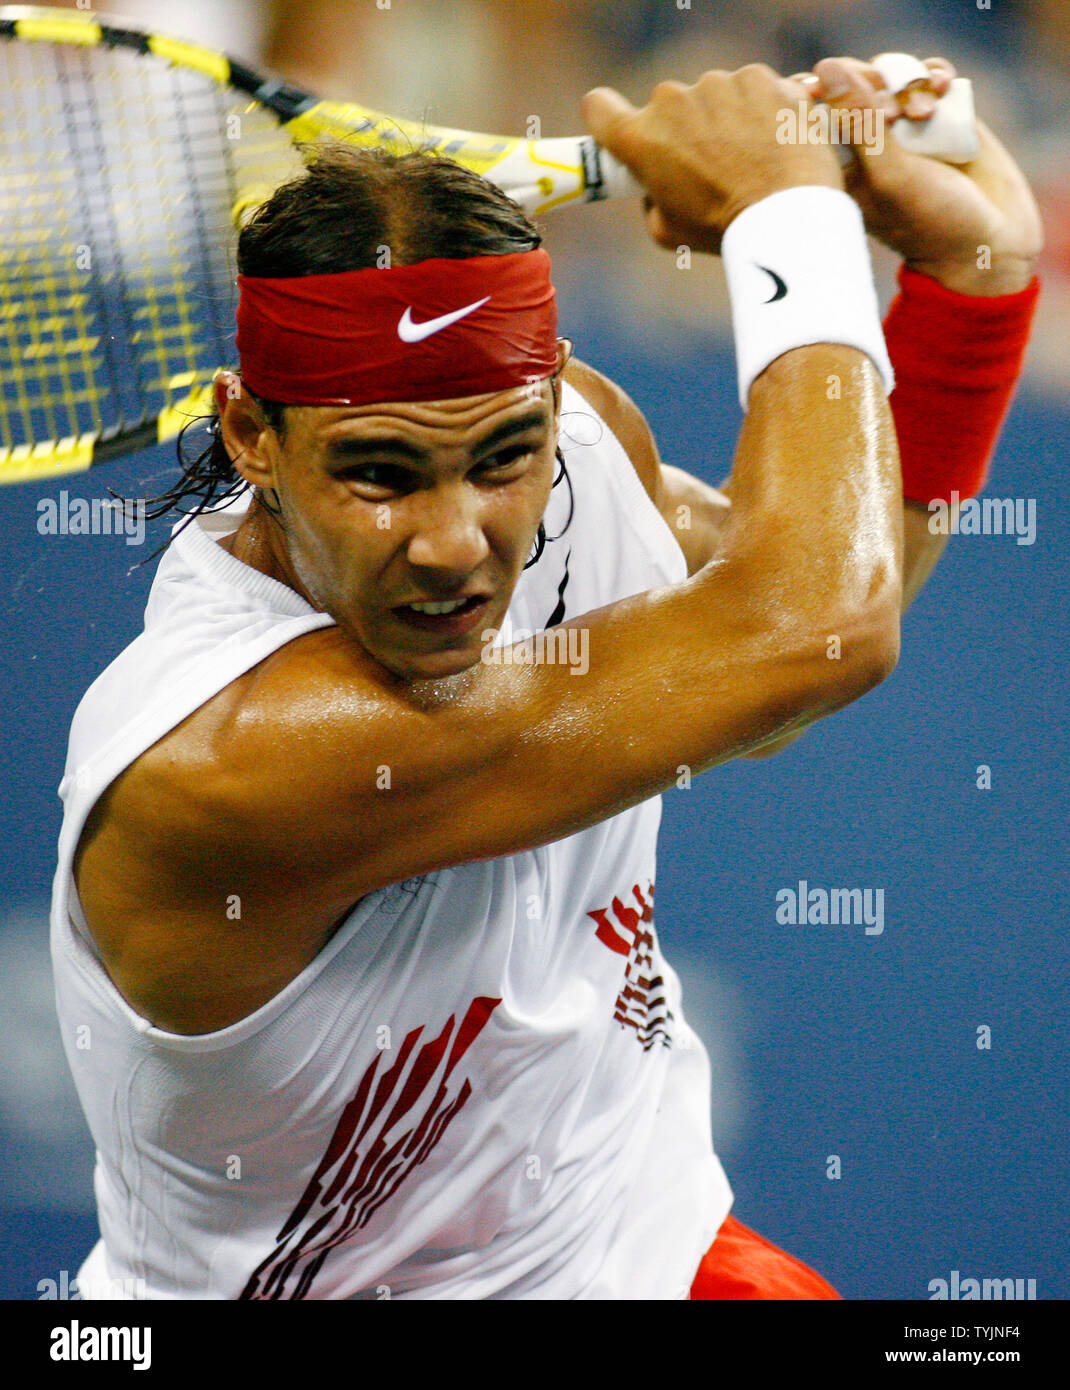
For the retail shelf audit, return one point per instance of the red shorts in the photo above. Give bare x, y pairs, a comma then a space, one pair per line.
742, 1264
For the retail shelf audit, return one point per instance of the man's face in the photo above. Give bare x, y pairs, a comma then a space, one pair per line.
389, 506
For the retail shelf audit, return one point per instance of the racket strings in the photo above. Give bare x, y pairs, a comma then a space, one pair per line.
166, 177
87, 158
43, 315
117, 185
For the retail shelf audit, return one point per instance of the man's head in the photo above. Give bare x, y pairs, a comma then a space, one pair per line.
375, 508
366, 507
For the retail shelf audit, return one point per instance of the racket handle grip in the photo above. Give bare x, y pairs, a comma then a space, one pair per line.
617, 180
949, 135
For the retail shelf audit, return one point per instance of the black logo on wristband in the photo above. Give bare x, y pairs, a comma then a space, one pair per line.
781, 288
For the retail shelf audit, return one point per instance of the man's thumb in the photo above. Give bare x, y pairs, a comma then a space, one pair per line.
604, 111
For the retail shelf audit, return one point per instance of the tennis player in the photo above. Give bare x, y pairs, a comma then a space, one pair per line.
353, 920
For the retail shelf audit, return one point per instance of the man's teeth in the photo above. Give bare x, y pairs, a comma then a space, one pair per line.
437, 608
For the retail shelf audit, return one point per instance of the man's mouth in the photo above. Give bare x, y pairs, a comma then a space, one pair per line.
450, 618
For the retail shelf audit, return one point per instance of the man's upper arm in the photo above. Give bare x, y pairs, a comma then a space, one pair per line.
693, 511
696, 513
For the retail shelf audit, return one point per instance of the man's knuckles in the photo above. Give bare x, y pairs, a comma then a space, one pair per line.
756, 75
668, 92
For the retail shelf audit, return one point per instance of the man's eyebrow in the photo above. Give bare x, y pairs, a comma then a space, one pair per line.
360, 446
356, 446
533, 420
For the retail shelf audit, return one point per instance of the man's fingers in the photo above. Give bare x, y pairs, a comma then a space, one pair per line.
942, 73
849, 84
661, 228
838, 75
603, 110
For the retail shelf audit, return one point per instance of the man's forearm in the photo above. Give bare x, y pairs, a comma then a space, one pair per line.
921, 550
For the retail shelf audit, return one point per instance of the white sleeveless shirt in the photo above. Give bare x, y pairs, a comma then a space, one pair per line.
482, 1087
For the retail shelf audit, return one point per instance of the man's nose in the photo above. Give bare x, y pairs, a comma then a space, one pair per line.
447, 531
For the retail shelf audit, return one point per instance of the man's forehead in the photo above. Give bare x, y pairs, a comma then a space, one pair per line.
459, 416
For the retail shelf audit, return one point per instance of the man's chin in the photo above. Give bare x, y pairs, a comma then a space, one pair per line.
434, 666
432, 656
430, 665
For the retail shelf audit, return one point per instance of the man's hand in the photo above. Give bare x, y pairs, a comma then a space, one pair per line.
938, 217
705, 152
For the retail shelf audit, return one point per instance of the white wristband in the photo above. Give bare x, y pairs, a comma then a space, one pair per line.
799, 273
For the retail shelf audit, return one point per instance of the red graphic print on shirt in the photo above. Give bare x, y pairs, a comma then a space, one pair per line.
641, 1003
371, 1153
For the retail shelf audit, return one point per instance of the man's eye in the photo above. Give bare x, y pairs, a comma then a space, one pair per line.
377, 475
494, 462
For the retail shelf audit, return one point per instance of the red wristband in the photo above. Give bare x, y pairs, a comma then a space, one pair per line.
957, 360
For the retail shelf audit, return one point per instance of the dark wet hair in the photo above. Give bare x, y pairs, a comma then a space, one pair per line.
338, 215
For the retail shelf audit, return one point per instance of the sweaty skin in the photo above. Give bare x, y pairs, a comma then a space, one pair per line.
269, 790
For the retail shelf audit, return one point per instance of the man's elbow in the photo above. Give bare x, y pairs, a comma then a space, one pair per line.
874, 653
890, 649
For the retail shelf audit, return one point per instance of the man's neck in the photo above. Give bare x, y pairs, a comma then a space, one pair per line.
257, 543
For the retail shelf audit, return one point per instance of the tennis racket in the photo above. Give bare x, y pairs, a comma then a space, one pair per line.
128, 160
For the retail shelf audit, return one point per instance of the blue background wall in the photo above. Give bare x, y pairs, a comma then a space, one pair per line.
824, 1040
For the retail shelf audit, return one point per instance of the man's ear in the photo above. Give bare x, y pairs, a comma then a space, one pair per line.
245, 433
564, 355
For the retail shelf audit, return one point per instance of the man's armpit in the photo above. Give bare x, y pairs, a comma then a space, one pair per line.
695, 513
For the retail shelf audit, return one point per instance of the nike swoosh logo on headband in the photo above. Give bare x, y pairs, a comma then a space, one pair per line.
410, 332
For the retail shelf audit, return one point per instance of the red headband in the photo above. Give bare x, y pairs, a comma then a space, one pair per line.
431, 331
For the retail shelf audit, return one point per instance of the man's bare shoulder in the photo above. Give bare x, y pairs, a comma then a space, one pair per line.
272, 712
297, 752
219, 778
676, 493
247, 796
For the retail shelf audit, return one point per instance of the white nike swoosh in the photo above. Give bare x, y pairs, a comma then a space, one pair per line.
410, 332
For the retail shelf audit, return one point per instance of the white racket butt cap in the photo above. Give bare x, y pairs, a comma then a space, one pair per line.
950, 133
